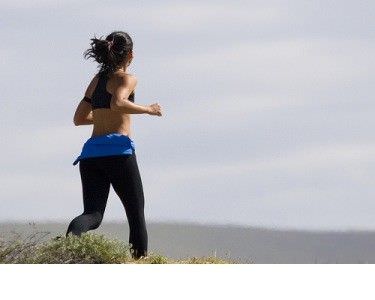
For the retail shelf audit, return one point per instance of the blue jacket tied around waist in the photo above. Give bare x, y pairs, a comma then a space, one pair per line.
106, 145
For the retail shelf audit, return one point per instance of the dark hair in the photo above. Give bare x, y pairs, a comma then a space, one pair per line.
111, 51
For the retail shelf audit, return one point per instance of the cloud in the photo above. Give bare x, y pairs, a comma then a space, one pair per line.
311, 159
299, 64
268, 109
35, 4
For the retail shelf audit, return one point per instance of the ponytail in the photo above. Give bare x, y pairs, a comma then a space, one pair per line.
110, 52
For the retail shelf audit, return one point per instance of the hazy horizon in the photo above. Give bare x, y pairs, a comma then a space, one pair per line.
243, 244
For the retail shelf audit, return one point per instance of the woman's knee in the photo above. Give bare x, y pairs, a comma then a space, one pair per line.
84, 222
97, 219
92, 219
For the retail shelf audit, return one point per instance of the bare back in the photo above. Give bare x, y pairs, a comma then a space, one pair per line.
106, 120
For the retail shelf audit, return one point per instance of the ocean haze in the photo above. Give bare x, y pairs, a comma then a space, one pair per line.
268, 110
240, 244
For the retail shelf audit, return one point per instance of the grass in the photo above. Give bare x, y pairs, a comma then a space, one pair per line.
89, 248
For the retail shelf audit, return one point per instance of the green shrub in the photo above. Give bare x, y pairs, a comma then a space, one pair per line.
89, 248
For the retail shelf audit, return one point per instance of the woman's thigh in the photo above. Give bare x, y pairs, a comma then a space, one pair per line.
95, 185
124, 175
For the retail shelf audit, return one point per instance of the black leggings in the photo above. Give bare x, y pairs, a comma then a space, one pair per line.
97, 174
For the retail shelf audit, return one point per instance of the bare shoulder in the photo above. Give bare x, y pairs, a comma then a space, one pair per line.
125, 80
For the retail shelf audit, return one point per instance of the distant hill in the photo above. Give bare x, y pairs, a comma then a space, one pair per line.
242, 244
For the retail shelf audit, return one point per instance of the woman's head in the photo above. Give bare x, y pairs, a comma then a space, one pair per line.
113, 52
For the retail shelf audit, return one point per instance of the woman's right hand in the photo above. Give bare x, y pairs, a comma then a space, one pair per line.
154, 109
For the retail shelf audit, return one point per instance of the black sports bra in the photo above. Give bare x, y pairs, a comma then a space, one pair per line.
100, 97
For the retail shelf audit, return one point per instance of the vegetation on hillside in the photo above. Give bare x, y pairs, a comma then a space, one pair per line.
89, 248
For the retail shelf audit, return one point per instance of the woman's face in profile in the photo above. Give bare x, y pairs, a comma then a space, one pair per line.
130, 57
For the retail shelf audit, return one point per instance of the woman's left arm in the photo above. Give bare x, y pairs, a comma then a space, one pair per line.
83, 113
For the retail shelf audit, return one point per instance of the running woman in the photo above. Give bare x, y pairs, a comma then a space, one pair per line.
108, 156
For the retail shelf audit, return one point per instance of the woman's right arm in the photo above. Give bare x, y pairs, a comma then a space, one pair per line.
119, 101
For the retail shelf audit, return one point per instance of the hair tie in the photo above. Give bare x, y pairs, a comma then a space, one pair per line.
110, 44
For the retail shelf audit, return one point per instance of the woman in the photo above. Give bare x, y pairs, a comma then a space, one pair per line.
108, 156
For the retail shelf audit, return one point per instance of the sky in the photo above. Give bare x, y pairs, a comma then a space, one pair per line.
268, 110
